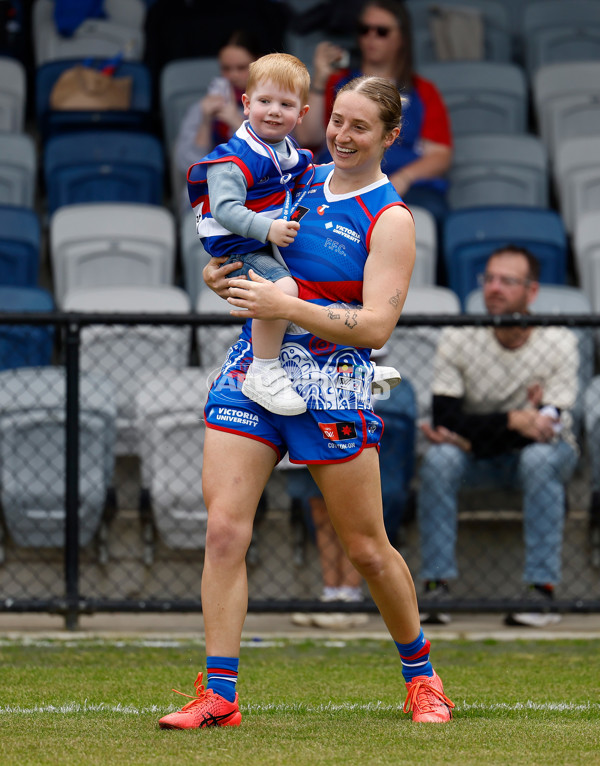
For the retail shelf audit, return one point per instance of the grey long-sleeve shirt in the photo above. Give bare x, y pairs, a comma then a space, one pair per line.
227, 190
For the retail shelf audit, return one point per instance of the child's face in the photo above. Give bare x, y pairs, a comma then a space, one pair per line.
273, 112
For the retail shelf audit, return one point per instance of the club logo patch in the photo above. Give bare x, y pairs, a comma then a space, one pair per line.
338, 431
299, 213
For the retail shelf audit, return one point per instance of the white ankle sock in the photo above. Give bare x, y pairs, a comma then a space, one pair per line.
259, 366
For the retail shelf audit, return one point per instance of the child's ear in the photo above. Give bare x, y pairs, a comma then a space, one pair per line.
302, 113
246, 104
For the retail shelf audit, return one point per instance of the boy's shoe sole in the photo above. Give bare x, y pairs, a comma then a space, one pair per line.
384, 379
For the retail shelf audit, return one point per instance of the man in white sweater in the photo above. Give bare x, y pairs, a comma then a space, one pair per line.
501, 418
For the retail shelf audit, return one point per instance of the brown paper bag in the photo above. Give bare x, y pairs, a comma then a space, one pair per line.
81, 88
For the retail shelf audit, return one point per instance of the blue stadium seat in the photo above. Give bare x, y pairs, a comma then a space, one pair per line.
50, 121
470, 235
103, 166
20, 243
25, 345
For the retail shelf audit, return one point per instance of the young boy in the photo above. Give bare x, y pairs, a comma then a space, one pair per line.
238, 192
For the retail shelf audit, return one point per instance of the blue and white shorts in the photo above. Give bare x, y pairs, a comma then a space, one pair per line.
315, 436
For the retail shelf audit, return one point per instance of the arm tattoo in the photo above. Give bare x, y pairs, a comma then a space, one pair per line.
395, 299
334, 312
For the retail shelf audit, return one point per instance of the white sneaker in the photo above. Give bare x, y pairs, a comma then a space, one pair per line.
303, 619
273, 390
339, 620
384, 378
533, 619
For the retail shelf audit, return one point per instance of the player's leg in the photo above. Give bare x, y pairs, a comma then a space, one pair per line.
352, 492
231, 500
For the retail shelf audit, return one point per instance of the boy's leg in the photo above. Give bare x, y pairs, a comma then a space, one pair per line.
266, 382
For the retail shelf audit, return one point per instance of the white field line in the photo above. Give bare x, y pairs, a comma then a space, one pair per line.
329, 707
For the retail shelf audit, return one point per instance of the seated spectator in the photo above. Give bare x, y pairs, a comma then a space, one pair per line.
501, 401
214, 119
340, 580
417, 162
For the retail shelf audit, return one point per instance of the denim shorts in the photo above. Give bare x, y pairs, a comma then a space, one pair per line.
262, 262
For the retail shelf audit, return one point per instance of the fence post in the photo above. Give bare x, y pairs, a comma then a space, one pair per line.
72, 477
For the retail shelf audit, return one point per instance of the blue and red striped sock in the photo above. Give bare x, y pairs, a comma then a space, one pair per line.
415, 658
221, 676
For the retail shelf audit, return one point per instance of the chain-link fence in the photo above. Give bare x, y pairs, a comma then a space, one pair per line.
101, 439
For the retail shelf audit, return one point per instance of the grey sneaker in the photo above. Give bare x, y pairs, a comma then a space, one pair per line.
542, 616
435, 591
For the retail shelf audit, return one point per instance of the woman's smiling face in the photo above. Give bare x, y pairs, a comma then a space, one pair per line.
355, 132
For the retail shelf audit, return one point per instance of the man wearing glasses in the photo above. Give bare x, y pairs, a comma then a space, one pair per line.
501, 419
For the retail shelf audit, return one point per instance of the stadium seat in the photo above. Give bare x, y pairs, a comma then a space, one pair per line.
171, 439
214, 340
498, 169
555, 32
50, 121
193, 255
18, 169
482, 96
121, 31
32, 454
470, 236
25, 345
103, 166
586, 246
13, 93
125, 354
427, 245
564, 99
497, 42
102, 244
20, 245
591, 424
577, 177
182, 82
411, 350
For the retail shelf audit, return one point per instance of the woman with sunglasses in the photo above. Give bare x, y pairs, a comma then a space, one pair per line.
418, 160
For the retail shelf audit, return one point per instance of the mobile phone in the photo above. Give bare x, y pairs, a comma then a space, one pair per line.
344, 61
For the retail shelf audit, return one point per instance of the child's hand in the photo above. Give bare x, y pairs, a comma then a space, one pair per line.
283, 232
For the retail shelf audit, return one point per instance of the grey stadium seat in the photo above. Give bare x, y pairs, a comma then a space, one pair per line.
126, 354
32, 454
104, 244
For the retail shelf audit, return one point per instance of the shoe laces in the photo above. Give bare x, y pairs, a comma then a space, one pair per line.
423, 697
201, 693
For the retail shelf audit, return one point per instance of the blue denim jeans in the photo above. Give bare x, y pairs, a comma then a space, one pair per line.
539, 470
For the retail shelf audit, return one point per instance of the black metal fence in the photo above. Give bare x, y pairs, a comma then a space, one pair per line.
101, 442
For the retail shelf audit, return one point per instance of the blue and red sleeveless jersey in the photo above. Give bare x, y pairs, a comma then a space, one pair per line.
265, 192
327, 259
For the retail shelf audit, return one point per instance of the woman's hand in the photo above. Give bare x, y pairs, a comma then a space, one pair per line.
256, 297
326, 60
216, 276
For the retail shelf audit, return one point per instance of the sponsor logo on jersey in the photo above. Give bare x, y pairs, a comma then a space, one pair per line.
339, 431
337, 247
321, 209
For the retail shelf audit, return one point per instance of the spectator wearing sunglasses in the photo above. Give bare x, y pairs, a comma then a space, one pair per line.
417, 162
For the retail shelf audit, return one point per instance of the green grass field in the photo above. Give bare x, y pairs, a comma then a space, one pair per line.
312, 702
